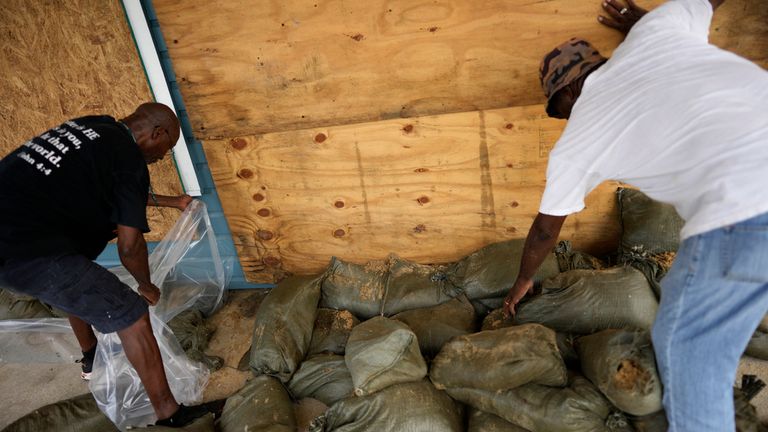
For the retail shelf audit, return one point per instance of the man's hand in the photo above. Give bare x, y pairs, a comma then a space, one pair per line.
182, 201
621, 17
521, 287
150, 292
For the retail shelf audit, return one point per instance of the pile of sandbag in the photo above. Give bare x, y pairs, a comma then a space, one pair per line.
392, 345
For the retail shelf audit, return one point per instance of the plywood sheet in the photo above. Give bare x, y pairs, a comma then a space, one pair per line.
256, 67
61, 60
430, 189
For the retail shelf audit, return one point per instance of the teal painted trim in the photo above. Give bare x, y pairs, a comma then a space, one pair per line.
109, 257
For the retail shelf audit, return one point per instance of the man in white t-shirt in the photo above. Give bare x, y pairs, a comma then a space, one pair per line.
687, 123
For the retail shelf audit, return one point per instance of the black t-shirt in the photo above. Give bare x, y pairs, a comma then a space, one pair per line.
67, 189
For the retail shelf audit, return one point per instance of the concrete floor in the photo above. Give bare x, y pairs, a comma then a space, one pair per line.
25, 387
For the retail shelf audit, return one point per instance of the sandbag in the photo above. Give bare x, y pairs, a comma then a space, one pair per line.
497, 360
763, 326
193, 334
415, 406
648, 226
622, 365
587, 301
436, 325
262, 405
356, 288
324, 377
758, 345
331, 331
577, 408
565, 341
485, 306
491, 271
413, 286
283, 328
17, 306
745, 416
484, 422
81, 414
569, 259
382, 352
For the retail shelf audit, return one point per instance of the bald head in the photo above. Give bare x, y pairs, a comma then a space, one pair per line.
156, 129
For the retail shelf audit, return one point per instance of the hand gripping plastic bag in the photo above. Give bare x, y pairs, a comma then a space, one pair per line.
187, 268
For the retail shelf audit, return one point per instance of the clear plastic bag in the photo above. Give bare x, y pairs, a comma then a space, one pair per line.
187, 268
39, 340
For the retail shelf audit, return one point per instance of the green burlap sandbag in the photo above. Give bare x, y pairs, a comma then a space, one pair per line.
763, 326
577, 408
283, 328
745, 416
16, 306
407, 407
193, 334
480, 421
565, 341
497, 360
587, 301
324, 377
569, 259
262, 405
434, 326
758, 345
413, 286
491, 271
81, 414
648, 226
356, 288
382, 352
622, 365
331, 331
485, 306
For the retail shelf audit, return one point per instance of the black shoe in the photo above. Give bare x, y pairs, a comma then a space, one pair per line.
86, 363
183, 416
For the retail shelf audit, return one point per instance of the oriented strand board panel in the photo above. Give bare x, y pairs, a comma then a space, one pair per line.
248, 67
65, 59
430, 189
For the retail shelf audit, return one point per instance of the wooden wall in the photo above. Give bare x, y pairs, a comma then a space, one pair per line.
361, 128
61, 60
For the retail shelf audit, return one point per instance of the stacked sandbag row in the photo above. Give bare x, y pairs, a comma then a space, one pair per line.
364, 372
649, 243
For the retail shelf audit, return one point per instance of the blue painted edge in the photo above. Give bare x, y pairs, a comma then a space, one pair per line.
110, 258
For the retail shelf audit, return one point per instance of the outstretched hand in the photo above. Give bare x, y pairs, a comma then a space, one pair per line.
517, 292
621, 17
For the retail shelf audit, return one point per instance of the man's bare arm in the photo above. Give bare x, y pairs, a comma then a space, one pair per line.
132, 249
540, 241
180, 202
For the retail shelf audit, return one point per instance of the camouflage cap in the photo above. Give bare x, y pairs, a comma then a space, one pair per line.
566, 63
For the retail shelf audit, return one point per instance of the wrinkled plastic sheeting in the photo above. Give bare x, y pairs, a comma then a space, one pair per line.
187, 268
39, 340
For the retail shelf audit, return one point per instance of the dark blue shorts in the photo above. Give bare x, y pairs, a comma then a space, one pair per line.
79, 287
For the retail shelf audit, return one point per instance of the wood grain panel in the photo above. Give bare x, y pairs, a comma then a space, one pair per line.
248, 67
431, 189
61, 60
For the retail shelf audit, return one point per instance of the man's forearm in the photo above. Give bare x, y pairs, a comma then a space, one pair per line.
162, 201
132, 249
539, 243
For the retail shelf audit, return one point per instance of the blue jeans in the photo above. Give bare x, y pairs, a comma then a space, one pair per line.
712, 301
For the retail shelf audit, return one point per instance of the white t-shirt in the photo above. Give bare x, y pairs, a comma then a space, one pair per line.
683, 120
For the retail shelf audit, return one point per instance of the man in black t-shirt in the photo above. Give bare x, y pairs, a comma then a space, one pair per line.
65, 194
